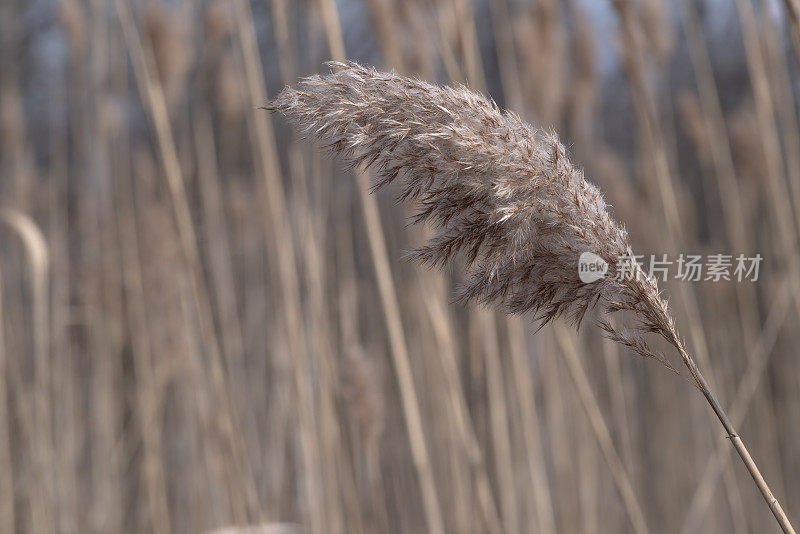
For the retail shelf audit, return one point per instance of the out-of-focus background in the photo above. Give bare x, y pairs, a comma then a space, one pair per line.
205, 322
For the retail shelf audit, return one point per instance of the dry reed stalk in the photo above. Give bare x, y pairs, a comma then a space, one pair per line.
462, 422
498, 420
221, 268
656, 23
725, 171
339, 485
420, 41
167, 30
779, 80
444, 33
506, 54
793, 13
38, 259
217, 233
698, 128
589, 488
583, 85
768, 138
361, 381
21, 398
501, 194
547, 18
391, 308
286, 52
102, 316
323, 493
19, 165
559, 407
147, 395
745, 392
695, 128
539, 34
360, 375
523, 387
770, 143
619, 386
460, 14
7, 519
176, 361
655, 148
384, 21
657, 155
338, 480
278, 235
226, 419
644, 104
100, 286
471, 60
600, 429
401, 360
782, 213
432, 287
66, 423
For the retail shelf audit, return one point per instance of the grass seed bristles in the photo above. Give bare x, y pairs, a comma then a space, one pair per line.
501, 194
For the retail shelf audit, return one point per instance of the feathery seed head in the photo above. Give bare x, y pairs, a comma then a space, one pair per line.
502, 194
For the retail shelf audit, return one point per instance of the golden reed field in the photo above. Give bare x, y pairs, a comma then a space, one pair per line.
383, 266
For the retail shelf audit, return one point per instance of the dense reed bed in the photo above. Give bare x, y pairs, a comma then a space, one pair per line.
205, 322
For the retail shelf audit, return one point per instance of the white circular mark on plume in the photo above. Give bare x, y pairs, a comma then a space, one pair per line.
591, 267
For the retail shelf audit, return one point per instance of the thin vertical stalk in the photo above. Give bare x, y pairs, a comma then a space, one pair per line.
443, 331
498, 420
391, 309
227, 421
529, 415
38, 256
276, 227
744, 396
721, 156
792, 8
655, 147
600, 430
432, 284
147, 394
7, 519
506, 54
744, 454
654, 143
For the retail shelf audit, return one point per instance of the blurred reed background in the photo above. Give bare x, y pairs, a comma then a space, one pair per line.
205, 323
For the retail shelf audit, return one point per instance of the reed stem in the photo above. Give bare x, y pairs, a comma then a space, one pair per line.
738, 444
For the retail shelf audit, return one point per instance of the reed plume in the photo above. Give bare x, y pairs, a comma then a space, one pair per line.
501, 194
498, 191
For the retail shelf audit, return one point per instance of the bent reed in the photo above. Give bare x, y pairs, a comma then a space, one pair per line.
501, 194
